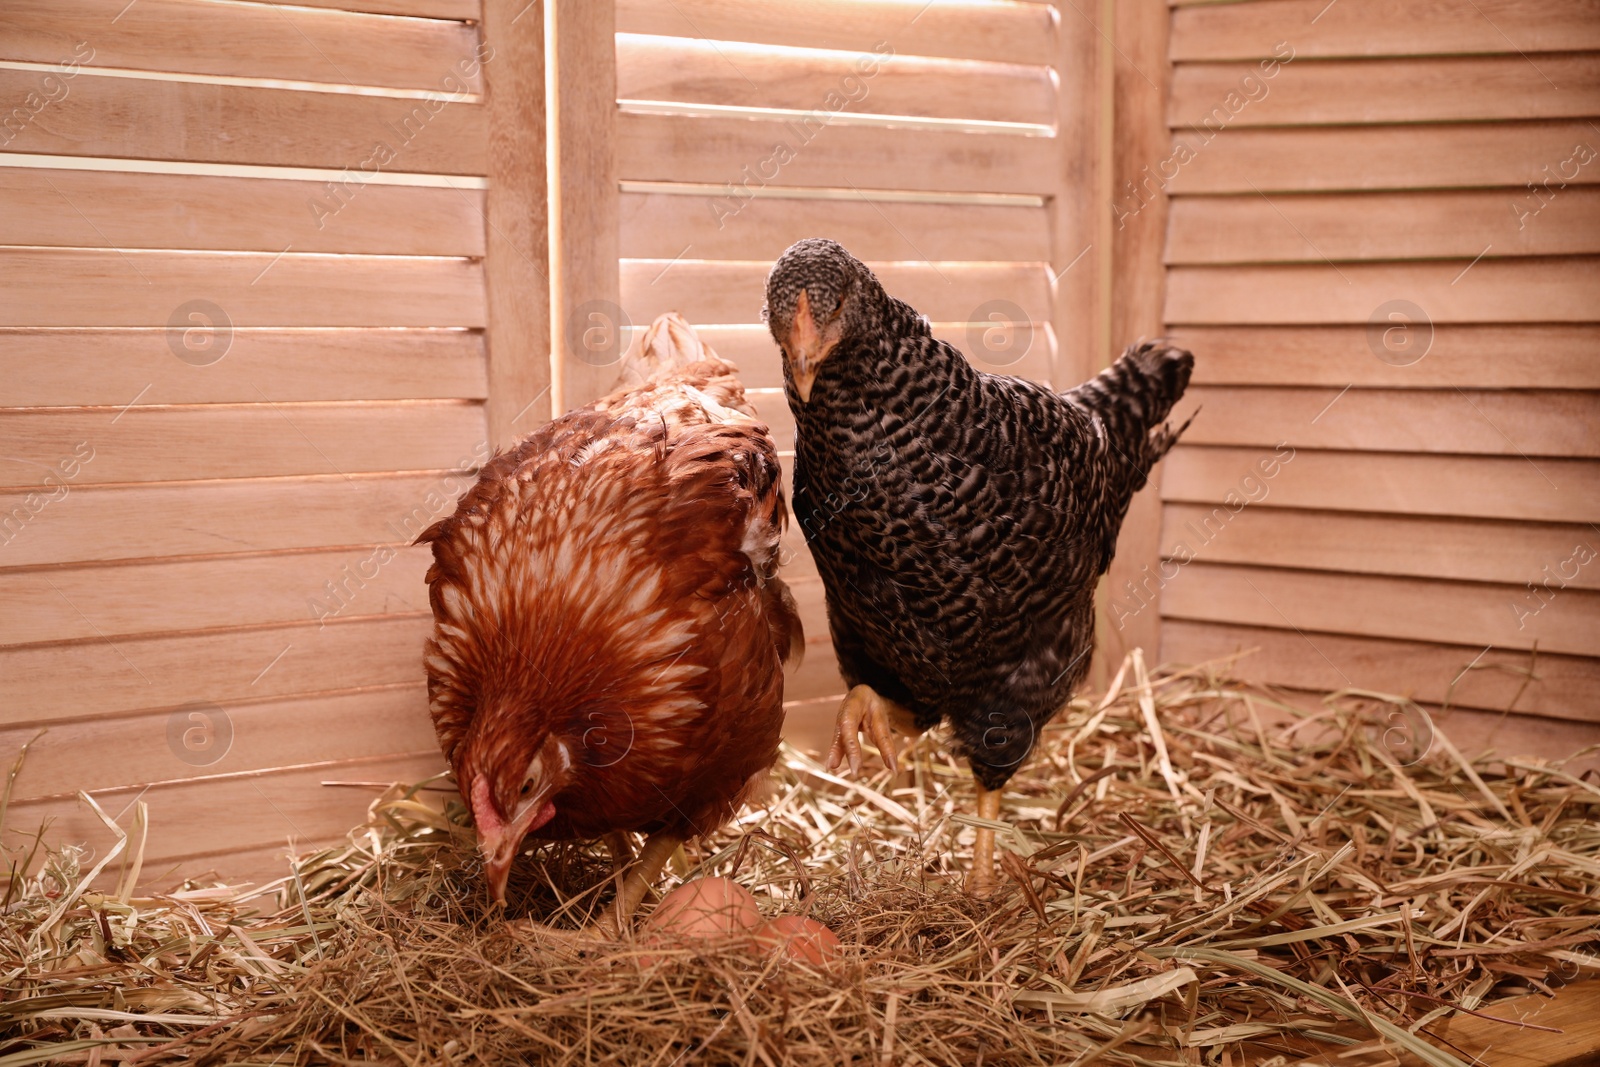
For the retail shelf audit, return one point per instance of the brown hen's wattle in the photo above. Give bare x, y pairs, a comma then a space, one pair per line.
610, 630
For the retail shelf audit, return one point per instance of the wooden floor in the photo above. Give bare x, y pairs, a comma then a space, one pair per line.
1572, 1040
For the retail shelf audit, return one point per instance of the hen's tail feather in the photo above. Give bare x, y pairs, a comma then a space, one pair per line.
1133, 398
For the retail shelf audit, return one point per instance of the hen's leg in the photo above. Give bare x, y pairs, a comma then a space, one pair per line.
621, 849
865, 710
638, 880
981, 881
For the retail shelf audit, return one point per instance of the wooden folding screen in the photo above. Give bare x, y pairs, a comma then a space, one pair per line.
951, 146
1379, 222
271, 283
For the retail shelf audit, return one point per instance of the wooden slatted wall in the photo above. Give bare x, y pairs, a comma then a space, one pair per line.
1381, 228
250, 258
931, 140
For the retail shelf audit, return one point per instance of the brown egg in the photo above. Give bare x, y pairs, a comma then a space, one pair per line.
799, 938
706, 911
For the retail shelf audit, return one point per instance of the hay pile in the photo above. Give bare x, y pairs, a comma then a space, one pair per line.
1186, 883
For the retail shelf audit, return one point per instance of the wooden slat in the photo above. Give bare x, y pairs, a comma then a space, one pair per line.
672, 148
1462, 549
99, 209
665, 225
1452, 156
241, 441
246, 40
1562, 687
263, 813
1551, 490
727, 291
1400, 225
516, 265
1382, 28
1441, 89
1486, 422
87, 679
99, 287
586, 157
141, 118
1510, 290
49, 368
461, 10
98, 523
80, 603
1008, 32
1486, 357
685, 70
1412, 609
265, 735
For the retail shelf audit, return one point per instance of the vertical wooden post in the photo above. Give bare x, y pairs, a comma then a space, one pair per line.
589, 331
1138, 222
1077, 211
516, 237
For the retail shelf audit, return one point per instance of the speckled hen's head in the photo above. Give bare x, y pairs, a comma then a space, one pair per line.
818, 297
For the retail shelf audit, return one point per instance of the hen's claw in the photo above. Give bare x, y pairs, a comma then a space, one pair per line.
864, 710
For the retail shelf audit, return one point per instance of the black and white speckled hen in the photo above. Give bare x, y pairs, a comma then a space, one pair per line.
959, 519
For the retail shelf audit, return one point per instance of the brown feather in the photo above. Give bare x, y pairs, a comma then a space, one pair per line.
611, 582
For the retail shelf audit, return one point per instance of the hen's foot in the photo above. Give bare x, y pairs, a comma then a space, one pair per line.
879, 717
981, 882
636, 882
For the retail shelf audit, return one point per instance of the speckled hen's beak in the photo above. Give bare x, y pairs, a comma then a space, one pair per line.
499, 839
804, 349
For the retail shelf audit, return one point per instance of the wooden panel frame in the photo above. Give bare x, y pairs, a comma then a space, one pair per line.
1138, 287
516, 221
588, 329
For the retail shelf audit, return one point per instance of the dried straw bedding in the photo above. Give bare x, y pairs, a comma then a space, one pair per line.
1193, 871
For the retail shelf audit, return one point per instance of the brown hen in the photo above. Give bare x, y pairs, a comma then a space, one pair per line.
610, 630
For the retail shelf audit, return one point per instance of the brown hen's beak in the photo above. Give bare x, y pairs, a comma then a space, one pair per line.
499, 839
807, 348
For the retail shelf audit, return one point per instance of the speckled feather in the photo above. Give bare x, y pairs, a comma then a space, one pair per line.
612, 580
960, 520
